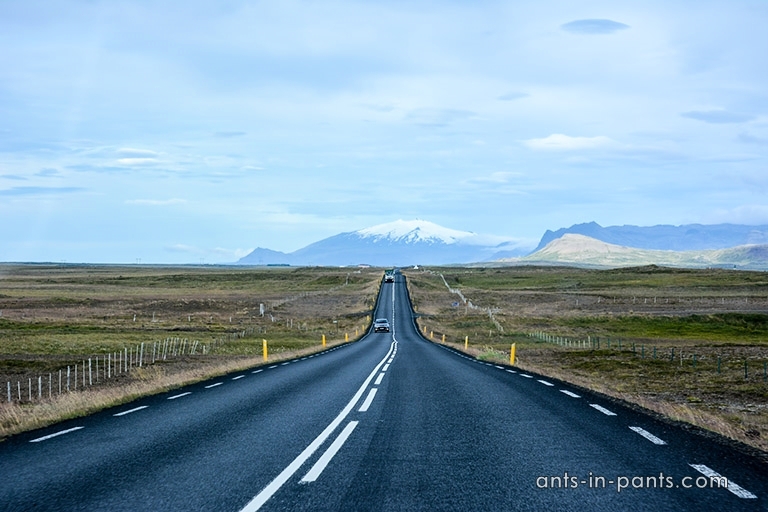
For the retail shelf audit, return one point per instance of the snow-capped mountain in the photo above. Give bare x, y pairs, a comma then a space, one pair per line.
398, 243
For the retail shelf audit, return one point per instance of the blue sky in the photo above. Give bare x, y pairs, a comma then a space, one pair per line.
180, 132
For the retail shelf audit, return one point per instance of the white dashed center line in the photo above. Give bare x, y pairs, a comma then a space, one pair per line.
238, 377
368, 400
257, 371
570, 393
386, 367
213, 385
526, 376
323, 461
174, 397
546, 383
378, 379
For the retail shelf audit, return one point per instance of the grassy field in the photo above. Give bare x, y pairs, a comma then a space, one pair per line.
689, 344
204, 321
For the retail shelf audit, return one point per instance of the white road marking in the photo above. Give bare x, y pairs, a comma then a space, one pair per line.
526, 376
55, 434
570, 393
271, 488
546, 383
129, 411
603, 410
378, 379
174, 397
275, 366
499, 367
332, 450
652, 438
386, 367
735, 489
214, 385
511, 371
391, 359
287, 362
368, 400
257, 371
238, 377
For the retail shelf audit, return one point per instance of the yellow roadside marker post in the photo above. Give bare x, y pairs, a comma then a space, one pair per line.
466, 342
323, 340
443, 338
512, 355
431, 334
264, 348
346, 336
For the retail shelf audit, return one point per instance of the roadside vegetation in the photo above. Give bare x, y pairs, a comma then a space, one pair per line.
691, 345
78, 338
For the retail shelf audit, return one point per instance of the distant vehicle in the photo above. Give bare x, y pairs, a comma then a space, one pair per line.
389, 278
381, 325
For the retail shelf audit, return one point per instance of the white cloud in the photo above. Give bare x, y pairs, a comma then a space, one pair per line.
560, 142
137, 161
136, 153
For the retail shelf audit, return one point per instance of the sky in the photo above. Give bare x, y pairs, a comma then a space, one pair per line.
195, 131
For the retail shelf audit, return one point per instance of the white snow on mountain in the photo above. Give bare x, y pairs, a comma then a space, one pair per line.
412, 231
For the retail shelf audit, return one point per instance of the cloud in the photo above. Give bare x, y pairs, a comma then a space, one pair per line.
718, 116
15, 177
136, 153
156, 202
593, 26
438, 117
560, 142
37, 191
47, 173
499, 177
183, 249
137, 161
511, 96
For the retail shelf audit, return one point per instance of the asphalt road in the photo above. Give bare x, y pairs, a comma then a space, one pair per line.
392, 422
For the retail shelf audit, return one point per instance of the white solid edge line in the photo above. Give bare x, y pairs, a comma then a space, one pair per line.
326, 457
368, 400
271, 488
174, 397
570, 393
735, 489
603, 410
546, 383
214, 385
129, 411
652, 438
378, 379
55, 434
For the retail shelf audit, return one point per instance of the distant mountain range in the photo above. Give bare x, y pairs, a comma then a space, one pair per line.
419, 242
579, 250
399, 243
689, 237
